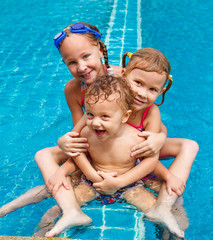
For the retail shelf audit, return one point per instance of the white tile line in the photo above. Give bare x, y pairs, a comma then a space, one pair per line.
111, 23
139, 30
104, 223
124, 30
139, 226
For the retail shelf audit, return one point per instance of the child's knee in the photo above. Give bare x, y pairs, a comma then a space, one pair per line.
40, 156
190, 145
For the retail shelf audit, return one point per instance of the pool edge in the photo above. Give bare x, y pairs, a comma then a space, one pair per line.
32, 238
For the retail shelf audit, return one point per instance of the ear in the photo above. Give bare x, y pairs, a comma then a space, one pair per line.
123, 72
163, 90
126, 116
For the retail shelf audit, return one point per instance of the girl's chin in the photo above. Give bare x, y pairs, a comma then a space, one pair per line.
136, 108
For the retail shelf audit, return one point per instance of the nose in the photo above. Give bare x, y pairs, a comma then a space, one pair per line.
96, 122
81, 66
143, 92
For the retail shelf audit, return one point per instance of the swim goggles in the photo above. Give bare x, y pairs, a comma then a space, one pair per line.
76, 28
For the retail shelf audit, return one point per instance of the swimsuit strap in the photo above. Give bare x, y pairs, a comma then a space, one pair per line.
105, 67
140, 127
83, 91
145, 113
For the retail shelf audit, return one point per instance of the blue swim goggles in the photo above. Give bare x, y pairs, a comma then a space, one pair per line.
76, 28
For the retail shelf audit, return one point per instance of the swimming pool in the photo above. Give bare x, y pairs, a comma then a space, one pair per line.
34, 111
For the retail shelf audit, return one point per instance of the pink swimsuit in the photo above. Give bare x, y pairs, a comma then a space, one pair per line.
140, 128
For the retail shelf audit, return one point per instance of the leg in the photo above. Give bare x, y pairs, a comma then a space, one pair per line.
185, 152
153, 184
32, 196
141, 198
71, 211
84, 193
145, 200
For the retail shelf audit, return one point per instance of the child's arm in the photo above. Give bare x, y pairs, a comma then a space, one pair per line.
70, 144
152, 145
111, 184
59, 177
173, 183
83, 163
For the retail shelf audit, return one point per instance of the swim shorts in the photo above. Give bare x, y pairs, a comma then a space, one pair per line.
105, 199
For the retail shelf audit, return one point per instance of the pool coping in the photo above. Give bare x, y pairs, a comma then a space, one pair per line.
32, 238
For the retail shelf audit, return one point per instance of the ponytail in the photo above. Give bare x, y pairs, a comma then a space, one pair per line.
128, 54
167, 88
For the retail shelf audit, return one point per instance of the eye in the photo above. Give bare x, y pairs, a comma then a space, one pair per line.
89, 115
86, 56
105, 117
138, 83
71, 63
153, 89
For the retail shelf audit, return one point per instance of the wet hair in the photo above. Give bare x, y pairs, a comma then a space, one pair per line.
149, 60
92, 38
107, 85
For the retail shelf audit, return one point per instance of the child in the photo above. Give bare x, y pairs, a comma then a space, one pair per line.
108, 103
142, 69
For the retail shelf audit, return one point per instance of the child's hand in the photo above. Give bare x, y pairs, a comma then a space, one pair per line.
56, 181
175, 184
72, 144
108, 185
149, 147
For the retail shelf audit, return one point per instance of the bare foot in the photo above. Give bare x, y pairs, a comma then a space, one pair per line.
47, 221
181, 216
69, 220
163, 215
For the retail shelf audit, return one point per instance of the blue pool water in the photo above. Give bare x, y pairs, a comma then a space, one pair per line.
34, 112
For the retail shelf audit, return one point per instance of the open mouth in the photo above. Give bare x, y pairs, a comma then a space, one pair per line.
100, 133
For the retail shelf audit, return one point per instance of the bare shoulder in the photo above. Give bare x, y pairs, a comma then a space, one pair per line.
152, 120
71, 86
154, 109
85, 132
132, 135
72, 92
117, 70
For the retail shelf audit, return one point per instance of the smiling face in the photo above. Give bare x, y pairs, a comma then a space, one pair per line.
105, 117
147, 86
82, 58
